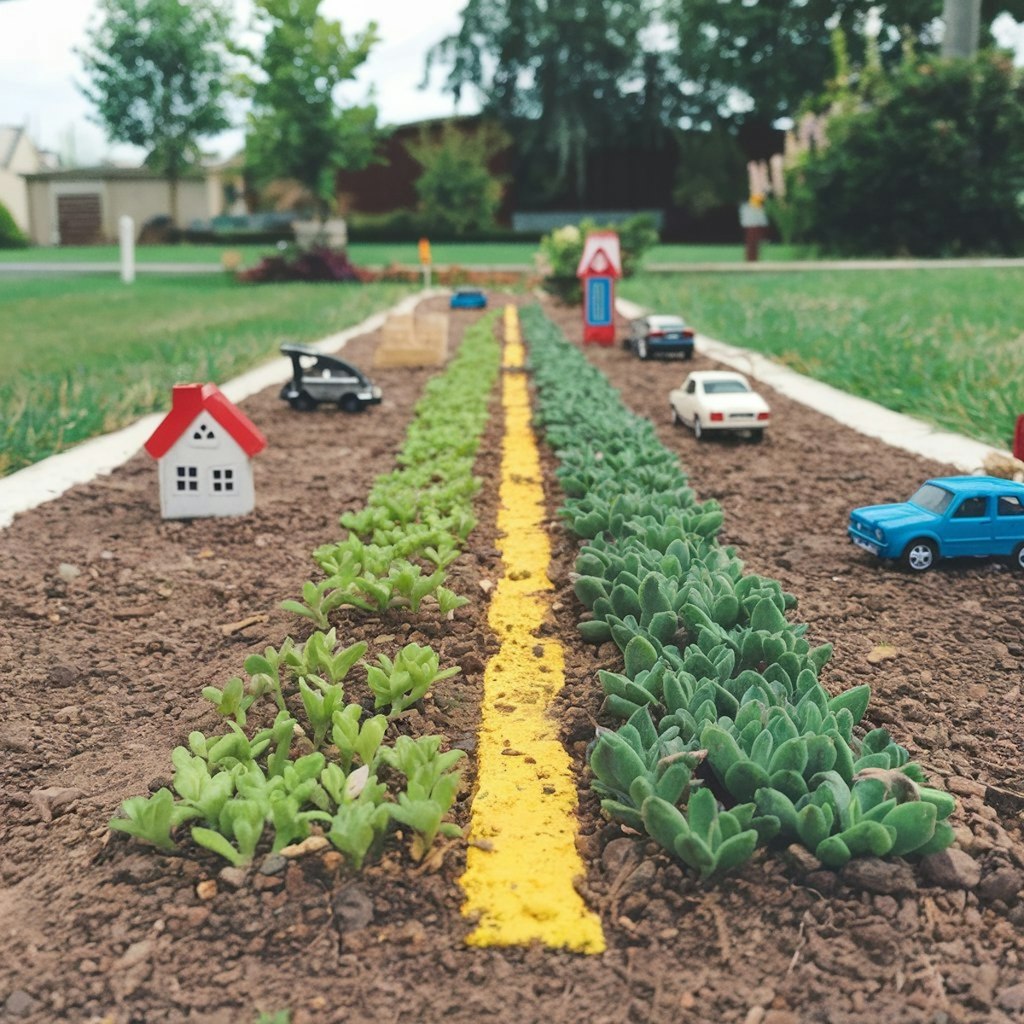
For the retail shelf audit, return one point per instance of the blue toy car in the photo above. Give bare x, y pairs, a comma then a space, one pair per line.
468, 298
948, 517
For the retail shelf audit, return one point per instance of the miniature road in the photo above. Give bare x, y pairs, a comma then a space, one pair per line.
524, 810
873, 420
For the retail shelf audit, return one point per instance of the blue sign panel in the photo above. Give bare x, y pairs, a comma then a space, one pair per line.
599, 301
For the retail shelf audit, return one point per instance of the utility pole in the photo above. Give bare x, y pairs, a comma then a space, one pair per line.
963, 19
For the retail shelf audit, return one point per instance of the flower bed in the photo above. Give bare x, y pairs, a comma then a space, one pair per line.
137, 616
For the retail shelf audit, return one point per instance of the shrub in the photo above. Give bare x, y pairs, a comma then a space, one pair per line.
925, 160
292, 264
561, 249
11, 236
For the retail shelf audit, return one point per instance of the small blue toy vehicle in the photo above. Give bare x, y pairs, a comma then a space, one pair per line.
947, 517
468, 298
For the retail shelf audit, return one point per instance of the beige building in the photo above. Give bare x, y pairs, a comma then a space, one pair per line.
18, 156
83, 206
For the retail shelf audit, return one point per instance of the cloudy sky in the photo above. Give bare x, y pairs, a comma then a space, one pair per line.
38, 68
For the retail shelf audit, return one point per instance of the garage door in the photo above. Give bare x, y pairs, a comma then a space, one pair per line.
79, 220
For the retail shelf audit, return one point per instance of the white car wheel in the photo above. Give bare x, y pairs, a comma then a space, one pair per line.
919, 555
698, 430
675, 416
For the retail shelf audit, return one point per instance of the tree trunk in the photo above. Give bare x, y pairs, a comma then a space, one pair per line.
962, 18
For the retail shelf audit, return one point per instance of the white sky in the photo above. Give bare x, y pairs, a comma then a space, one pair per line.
38, 68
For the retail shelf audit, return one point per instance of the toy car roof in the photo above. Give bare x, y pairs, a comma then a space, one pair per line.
962, 484
307, 350
663, 318
702, 375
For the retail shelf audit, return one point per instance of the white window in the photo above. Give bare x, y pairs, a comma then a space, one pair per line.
187, 479
222, 481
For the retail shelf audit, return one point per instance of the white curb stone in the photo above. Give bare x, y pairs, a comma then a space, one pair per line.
50, 478
868, 418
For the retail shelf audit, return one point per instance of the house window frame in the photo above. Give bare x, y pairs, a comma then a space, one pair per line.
186, 479
223, 480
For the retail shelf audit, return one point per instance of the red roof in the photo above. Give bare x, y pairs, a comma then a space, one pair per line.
187, 402
601, 255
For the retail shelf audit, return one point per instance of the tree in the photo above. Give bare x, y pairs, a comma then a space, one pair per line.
297, 128
457, 191
927, 159
560, 76
760, 61
158, 78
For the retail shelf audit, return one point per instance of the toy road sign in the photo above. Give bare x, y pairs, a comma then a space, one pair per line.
424, 251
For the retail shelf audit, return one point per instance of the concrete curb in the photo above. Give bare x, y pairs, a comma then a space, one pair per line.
50, 478
866, 417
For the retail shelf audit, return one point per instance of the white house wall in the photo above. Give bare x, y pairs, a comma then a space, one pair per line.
219, 451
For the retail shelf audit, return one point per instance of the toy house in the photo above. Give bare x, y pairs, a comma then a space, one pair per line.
204, 449
599, 266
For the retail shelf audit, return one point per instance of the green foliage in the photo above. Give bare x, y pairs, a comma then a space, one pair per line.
297, 129
712, 662
11, 236
400, 683
458, 193
866, 192
560, 101
712, 170
158, 76
780, 53
561, 249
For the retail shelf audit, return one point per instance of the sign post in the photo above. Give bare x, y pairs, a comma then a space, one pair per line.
126, 237
600, 265
425, 260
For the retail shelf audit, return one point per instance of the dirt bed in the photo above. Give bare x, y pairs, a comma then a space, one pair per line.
102, 661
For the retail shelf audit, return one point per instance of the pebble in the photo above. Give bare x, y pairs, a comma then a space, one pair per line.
618, 853
206, 889
68, 572
233, 877
353, 909
20, 1004
16, 737
311, 844
1002, 884
54, 799
800, 858
274, 864
1011, 999
879, 876
952, 869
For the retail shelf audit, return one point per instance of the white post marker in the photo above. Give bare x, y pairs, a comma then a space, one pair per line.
126, 237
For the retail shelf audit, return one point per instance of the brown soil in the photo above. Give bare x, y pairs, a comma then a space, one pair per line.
101, 675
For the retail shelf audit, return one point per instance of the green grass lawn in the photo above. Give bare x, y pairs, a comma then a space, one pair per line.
374, 254
944, 345
83, 355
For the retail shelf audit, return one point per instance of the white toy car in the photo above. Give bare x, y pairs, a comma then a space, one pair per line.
713, 400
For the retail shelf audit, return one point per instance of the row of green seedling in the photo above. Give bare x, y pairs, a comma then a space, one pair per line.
418, 517
720, 692
350, 781
235, 788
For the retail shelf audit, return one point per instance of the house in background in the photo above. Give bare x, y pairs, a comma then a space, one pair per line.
204, 448
82, 206
18, 156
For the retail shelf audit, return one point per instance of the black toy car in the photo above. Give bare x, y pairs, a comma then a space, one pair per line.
318, 378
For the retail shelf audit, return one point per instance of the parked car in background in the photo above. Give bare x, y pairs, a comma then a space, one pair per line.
946, 517
659, 335
468, 298
319, 378
719, 400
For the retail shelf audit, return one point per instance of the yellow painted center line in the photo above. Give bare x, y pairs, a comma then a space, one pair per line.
522, 857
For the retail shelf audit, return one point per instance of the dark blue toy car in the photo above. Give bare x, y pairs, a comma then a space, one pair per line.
468, 298
947, 517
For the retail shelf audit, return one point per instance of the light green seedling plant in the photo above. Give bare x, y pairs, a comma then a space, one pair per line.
241, 820
354, 740
151, 819
200, 789
232, 701
402, 682
362, 816
423, 805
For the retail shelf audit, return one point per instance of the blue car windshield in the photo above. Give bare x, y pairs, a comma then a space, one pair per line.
932, 498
